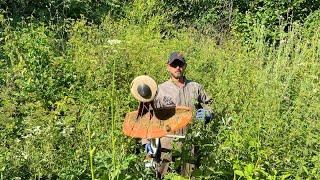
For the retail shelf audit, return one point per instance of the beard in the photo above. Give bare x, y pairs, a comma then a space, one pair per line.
177, 75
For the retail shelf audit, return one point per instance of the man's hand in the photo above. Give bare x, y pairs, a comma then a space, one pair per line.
152, 147
203, 114
149, 150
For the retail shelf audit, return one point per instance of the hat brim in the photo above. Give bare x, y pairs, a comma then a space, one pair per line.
181, 60
147, 80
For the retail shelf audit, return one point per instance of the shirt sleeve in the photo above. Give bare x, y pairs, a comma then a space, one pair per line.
204, 99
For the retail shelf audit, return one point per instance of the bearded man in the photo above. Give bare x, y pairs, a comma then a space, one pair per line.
178, 91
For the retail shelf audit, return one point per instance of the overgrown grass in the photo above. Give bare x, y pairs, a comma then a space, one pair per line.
63, 100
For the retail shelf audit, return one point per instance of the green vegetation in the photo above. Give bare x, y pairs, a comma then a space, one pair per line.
66, 68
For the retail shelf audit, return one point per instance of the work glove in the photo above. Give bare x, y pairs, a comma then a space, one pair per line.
151, 154
203, 114
149, 150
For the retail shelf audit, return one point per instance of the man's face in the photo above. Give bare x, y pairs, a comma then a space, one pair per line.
176, 68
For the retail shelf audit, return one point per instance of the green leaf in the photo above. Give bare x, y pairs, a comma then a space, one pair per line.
239, 173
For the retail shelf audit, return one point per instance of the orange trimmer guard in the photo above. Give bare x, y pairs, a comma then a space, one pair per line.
156, 123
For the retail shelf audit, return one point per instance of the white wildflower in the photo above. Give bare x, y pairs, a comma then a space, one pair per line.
27, 136
25, 156
59, 123
114, 41
36, 129
64, 132
67, 131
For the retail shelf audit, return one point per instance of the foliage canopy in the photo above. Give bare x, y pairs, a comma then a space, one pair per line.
66, 68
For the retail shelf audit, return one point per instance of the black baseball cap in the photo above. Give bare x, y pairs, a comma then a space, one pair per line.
176, 56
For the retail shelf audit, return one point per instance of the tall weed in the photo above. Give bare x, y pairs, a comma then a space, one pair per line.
63, 99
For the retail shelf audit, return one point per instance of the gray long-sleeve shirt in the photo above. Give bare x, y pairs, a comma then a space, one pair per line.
192, 95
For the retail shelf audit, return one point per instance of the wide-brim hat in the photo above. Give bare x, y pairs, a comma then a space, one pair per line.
144, 88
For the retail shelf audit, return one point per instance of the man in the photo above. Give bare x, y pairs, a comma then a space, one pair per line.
178, 91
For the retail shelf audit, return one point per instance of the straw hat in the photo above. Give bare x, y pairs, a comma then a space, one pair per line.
144, 88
